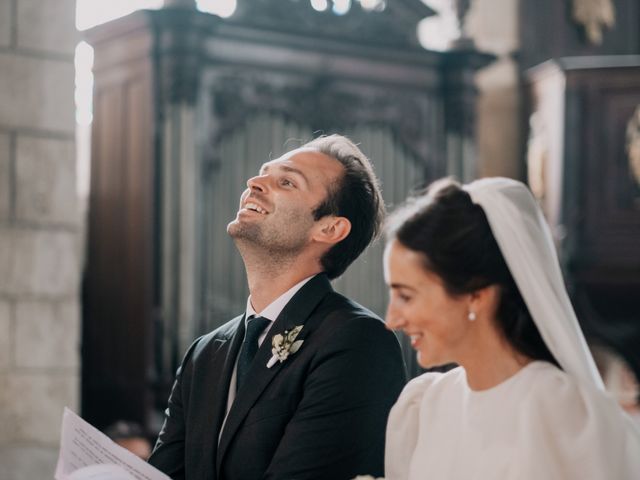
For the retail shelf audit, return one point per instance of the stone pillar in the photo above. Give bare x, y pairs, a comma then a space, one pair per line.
39, 234
460, 97
493, 26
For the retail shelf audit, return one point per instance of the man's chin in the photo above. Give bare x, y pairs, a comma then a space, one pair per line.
240, 231
232, 227
235, 227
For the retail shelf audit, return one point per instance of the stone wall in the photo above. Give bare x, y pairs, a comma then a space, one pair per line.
493, 24
40, 234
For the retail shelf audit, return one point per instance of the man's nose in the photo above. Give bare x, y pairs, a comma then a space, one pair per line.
257, 183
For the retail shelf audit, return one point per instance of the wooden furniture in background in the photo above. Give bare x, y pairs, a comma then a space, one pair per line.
581, 170
548, 30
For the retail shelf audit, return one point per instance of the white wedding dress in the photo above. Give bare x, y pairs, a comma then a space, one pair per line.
540, 424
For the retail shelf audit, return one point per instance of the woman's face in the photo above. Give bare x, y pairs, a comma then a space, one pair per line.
419, 305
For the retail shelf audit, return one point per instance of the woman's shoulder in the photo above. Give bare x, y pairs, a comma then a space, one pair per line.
548, 385
417, 387
576, 422
430, 379
560, 398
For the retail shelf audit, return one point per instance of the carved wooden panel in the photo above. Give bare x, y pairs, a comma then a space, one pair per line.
548, 30
397, 19
581, 111
118, 283
609, 193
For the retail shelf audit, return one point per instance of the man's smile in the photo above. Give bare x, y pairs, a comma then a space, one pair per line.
255, 208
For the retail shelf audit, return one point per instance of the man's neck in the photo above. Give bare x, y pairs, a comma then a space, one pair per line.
269, 277
264, 291
265, 288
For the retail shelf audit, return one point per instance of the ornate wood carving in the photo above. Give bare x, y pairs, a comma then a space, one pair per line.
460, 89
548, 30
594, 16
393, 25
461, 8
321, 103
180, 34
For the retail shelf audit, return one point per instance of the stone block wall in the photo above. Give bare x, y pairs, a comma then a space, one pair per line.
40, 234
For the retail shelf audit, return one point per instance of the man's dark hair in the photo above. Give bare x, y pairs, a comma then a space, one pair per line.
356, 196
456, 242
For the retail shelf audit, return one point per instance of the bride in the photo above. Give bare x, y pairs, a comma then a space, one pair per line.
474, 280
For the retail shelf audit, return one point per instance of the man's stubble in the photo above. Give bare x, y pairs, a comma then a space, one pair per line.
274, 244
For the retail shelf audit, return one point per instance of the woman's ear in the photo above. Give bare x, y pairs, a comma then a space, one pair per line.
331, 230
485, 301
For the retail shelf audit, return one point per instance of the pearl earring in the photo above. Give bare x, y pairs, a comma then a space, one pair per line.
471, 316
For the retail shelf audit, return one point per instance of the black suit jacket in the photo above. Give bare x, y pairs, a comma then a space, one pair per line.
321, 414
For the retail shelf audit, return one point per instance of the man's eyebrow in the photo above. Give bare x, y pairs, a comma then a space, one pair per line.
286, 168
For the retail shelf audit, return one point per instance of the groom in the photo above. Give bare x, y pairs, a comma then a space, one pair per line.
318, 408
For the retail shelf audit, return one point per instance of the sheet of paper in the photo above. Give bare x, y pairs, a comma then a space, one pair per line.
101, 472
82, 445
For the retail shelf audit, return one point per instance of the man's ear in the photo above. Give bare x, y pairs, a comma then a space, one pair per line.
332, 230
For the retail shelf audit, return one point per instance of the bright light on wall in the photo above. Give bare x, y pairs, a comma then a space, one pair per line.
84, 83
320, 5
90, 13
341, 7
437, 32
222, 8
84, 117
377, 5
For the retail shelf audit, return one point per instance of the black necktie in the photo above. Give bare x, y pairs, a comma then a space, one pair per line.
255, 326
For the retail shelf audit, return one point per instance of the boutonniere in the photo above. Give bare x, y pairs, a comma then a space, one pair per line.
283, 345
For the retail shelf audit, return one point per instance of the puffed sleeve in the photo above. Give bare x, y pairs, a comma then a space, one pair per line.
403, 427
572, 431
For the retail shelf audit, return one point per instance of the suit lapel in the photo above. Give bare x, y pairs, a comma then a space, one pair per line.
296, 313
214, 405
222, 393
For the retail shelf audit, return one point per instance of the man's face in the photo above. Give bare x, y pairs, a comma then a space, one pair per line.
276, 209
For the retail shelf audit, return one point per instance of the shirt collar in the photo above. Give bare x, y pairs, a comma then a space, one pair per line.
273, 310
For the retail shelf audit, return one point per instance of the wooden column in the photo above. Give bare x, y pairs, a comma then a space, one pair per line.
118, 282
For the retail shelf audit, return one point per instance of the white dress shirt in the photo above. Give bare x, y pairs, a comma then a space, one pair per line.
271, 312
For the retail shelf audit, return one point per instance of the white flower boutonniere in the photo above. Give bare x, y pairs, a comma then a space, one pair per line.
283, 345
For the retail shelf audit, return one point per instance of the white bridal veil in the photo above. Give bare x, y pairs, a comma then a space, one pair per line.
526, 244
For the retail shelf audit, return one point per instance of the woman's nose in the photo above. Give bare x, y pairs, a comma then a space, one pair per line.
393, 319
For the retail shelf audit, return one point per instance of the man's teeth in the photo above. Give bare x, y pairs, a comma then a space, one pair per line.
257, 208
